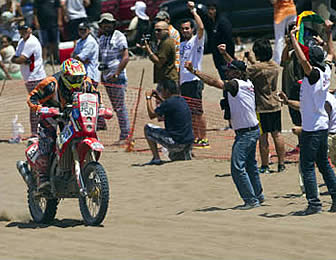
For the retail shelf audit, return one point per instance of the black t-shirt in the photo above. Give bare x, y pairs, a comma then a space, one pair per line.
177, 119
47, 11
93, 10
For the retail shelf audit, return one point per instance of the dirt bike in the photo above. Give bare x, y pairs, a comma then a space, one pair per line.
74, 169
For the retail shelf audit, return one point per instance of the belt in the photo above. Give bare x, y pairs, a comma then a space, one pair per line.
247, 129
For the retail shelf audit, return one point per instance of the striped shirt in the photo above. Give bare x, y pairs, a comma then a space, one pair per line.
111, 48
175, 35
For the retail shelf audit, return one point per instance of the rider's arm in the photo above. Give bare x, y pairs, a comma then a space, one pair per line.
41, 93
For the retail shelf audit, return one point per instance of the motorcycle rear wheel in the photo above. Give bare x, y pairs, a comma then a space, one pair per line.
41, 209
94, 206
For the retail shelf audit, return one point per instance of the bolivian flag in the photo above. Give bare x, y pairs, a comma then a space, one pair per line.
306, 16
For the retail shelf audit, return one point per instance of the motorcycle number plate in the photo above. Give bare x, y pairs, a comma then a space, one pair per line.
66, 134
88, 109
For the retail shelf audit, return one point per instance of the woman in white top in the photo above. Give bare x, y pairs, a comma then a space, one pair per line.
7, 52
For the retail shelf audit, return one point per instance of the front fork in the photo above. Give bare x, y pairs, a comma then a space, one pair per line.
79, 177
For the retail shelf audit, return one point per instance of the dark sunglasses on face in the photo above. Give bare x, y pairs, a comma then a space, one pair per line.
159, 30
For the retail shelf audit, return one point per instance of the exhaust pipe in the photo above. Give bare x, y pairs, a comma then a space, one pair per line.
24, 172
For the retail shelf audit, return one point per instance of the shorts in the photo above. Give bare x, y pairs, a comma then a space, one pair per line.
192, 92
48, 36
270, 122
161, 136
295, 116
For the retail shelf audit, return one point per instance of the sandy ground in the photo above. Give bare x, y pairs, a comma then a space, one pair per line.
180, 210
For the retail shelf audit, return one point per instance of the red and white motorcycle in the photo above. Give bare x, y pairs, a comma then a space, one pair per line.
74, 169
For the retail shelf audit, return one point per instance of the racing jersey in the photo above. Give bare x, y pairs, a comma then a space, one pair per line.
51, 92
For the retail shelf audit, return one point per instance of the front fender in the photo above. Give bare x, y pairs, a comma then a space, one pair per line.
89, 144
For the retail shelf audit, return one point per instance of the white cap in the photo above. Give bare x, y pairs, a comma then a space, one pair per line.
140, 10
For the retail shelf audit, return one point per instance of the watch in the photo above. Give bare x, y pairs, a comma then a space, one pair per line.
148, 97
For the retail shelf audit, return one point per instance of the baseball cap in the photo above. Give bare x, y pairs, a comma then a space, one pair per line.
23, 26
317, 56
140, 10
106, 16
162, 15
237, 65
83, 25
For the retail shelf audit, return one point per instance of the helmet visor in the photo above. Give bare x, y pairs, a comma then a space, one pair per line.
74, 80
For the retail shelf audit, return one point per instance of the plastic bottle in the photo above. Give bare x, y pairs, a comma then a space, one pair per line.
17, 131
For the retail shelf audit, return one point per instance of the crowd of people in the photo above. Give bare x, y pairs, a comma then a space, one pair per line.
251, 99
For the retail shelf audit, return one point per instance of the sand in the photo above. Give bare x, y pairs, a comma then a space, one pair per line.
180, 210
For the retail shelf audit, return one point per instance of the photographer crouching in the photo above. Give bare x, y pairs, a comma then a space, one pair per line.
177, 136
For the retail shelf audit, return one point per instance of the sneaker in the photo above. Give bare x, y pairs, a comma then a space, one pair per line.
248, 206
154, 162
281, 167
295, 151
310, 210
202, 143
264, 170
261, 200
333, 207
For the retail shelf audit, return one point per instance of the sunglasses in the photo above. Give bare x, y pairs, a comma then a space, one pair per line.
159, 30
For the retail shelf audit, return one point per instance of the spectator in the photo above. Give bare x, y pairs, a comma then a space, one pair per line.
164, 58
177, 136
27, 7
191, 49
13, 7
314, 145
244, 168
74, 14
87, 51
114, 58
219, 31
139, 26
4, 72
264, 75
93, 10
173, 34
10, 70
292, 75
29, 55
284, 14
48, 20
11, 14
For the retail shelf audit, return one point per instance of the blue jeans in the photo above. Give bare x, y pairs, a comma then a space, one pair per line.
116, 95
314, 148
244, 167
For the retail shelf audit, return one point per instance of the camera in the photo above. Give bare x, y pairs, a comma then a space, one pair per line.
102, 67
145, 38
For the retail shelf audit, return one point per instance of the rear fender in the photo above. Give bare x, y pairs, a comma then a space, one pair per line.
89, 144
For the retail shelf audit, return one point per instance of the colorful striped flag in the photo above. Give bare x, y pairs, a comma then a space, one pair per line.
306, 16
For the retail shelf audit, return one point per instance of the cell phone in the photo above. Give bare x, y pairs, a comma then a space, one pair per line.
246, 54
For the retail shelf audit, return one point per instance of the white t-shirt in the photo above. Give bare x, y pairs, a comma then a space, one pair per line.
312, 100
75, 9
88, 49
191, 50
32, 50
331, 99
242, 106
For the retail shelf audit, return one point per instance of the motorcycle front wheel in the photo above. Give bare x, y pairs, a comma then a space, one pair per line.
94, 206
41, 209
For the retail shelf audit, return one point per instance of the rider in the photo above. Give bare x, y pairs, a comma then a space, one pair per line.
55, 91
